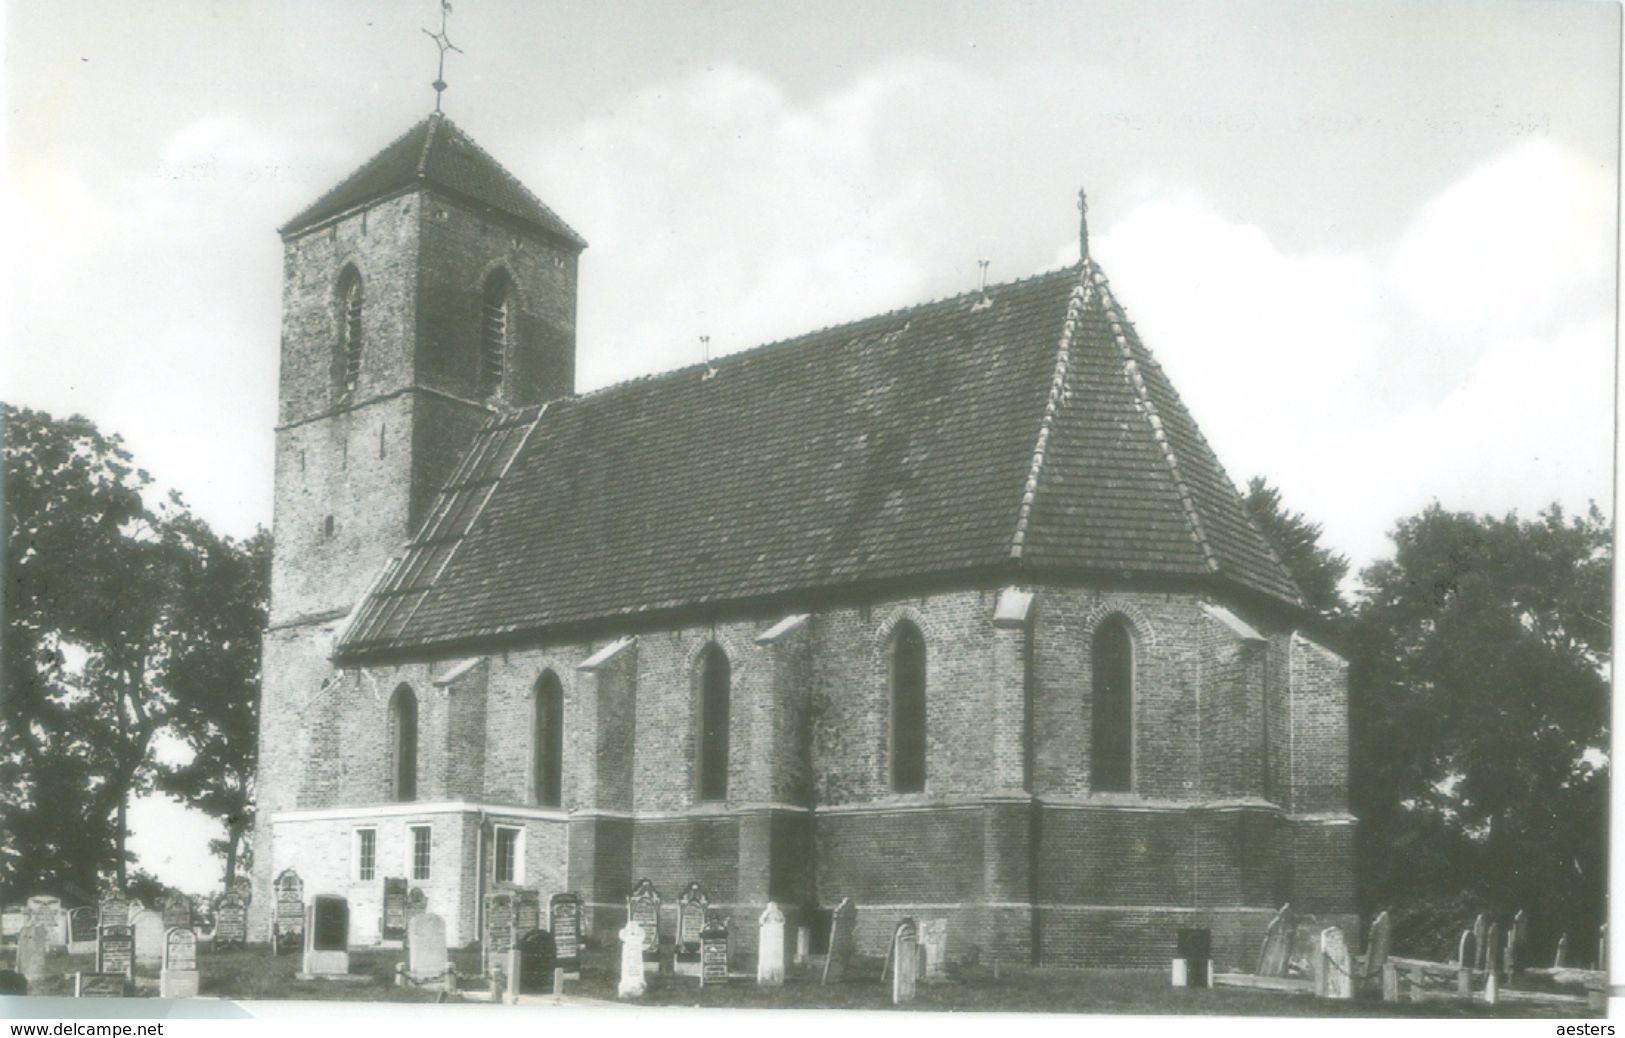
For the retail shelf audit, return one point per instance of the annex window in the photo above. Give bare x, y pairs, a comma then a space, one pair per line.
420, 848
547, 742
507, 854
496, 330
403, 744
366, 854
908, 709
1111, 736
350, 306
714, 679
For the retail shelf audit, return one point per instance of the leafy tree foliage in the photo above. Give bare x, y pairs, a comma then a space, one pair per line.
109, 627
1479, 690
1317, 571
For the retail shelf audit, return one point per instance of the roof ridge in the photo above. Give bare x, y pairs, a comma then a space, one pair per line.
344, 182
1193, 516
468, 139
1076, 302
428, 142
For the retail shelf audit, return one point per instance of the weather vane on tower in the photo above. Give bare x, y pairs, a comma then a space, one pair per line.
442, 41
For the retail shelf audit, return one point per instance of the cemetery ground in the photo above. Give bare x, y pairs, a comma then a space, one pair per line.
254, 973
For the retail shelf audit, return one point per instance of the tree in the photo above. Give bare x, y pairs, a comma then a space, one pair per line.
1317, 571
1479, 694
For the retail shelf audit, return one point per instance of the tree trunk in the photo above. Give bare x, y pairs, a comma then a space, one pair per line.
234, 836
122, 834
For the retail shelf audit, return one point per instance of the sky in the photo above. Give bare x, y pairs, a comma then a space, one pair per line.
1372, 244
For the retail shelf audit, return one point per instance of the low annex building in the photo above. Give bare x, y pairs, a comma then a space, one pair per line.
948, 610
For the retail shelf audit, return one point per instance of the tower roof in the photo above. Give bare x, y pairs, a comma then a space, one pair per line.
436, 153
1017, 434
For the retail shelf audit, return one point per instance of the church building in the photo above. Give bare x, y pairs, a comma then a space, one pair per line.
951, 610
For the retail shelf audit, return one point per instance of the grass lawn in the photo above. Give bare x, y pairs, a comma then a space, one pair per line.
253, 973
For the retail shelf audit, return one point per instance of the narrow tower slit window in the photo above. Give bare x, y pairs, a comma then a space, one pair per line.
714, 691
547, 742
908, 709
496, 320
350, 306
403, 743
1111, 736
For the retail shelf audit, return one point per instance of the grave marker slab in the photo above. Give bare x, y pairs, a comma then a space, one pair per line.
934, 942
45, 911
1334, 974
115, 951
149, 939
231, 921
175, 910
633, 942
392, 926
1272, 962
803, 944
1376, 953
770, 947
288, 923
692, 906
536, 958
426, 946
527, 912
499, 927
32, 943
906, 962
1561, 958
99, 985
12, 921
114, 911
327, 936
564, 913
1516, 934
714, 951
179, 978
82, 931
842, 940
643, 908
1481, 929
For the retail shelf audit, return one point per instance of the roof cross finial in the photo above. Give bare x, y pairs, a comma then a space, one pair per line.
442, 41
1083, 226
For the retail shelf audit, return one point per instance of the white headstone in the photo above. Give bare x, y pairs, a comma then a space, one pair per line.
770, 947
32, 942
179, 978
934, 941
803, 944
1336, 977
426, 946
46, 911
632, 985
149, 939
905, 962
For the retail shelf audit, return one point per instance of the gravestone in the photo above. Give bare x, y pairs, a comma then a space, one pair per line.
82, 931
803, 944
1376, 948
1193, 958
179, 978
842, 940
1464, 964
714, 951
527, 911
149, 939
934, 943
114, 910
12, 921
32, 944
175, 910
536, 959
633, 943
1334, 973
1272, 961
327, 937
1491, 954
392, 925
115, 951
643, 908
1561, 959
426, 946
692, 905
564, 915
288, 923
770, 947
231, 921
905, 948
499, 928
45, 911
1305, 947
99, 985
1516, 934
1481, 928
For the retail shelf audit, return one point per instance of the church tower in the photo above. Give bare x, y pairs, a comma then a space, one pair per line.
426, 292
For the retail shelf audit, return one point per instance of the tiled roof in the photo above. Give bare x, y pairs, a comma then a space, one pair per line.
1027, 430
437, 153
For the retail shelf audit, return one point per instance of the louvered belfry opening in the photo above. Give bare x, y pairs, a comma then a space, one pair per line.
350, 301
496, 318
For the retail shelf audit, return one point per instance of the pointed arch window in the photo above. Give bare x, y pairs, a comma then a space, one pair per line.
403, 744
715, 678
547, 742
496, 330
908, 709
1111, 737
350, 302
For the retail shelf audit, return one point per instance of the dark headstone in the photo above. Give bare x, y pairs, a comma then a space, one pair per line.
98, 985
842, 940
499, 927
527, 910
288, 924
564, 913
1195, 946
714, 952
231, 921
692, 907
330, 923
537, 954
115, 910
82, 926
393, 925
115, 950
1376, 949
175, 910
